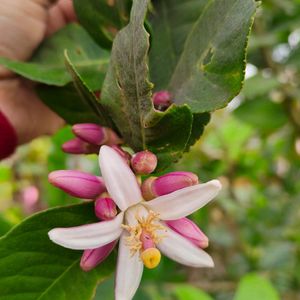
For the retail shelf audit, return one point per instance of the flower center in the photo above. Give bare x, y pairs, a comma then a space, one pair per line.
143, 237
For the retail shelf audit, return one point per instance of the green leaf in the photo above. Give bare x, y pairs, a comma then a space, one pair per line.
32, 267
253, 286
263, 114
187, 292
259, 85
67, 103
103, 18
87, 95
199, 122
168, 138
48, 64
126, 95
171, 23
209, 68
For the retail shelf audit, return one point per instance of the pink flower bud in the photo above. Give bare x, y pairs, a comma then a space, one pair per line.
162, 100
167, 184
147, 190
144, 162
188, 229
95, 134
77, 184
78, 146
124, 154
93, 257
105, 208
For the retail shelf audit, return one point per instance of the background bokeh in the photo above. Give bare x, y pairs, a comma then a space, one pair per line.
252, 146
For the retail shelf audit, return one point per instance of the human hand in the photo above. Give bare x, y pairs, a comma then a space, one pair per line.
25, 24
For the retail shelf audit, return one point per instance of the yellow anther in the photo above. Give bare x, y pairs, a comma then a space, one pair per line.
151, 258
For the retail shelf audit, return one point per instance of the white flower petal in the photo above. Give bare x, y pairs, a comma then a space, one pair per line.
183, 202
183, 251
119, 180
133, 213
129, 271
89, 236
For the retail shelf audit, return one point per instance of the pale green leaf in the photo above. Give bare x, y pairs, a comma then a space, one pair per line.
48, 64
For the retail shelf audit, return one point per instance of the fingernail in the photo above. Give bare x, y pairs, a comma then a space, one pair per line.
162, 100
188, 229
167, 184
105, 208
77, 184
78, 146
144, 162
92, 258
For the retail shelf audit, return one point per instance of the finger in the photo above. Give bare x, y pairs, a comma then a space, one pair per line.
28, 115
22, 27
59, 15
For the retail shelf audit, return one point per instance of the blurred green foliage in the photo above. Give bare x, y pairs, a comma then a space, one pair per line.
253, 147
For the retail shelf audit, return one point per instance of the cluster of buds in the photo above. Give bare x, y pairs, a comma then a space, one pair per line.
87, 186
89, 138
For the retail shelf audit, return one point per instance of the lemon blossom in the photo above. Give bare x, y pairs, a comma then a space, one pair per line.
140, 225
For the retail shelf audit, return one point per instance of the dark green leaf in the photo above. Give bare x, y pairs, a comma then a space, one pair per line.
32, 267
87, 95
199, 122
126, 95
48, 64
171, 22
103, 18
168, 138
67, 103
209, 68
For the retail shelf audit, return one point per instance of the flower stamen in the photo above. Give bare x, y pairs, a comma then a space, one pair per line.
143, 237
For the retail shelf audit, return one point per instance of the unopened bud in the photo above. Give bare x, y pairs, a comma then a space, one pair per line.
95, 134
162, 100
166, 184
93, 257
105, 209
144, 162
78, 146
124, 154
77, 184
147, 189
188, 229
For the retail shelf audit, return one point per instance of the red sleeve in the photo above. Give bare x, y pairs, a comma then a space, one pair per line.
8, 137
